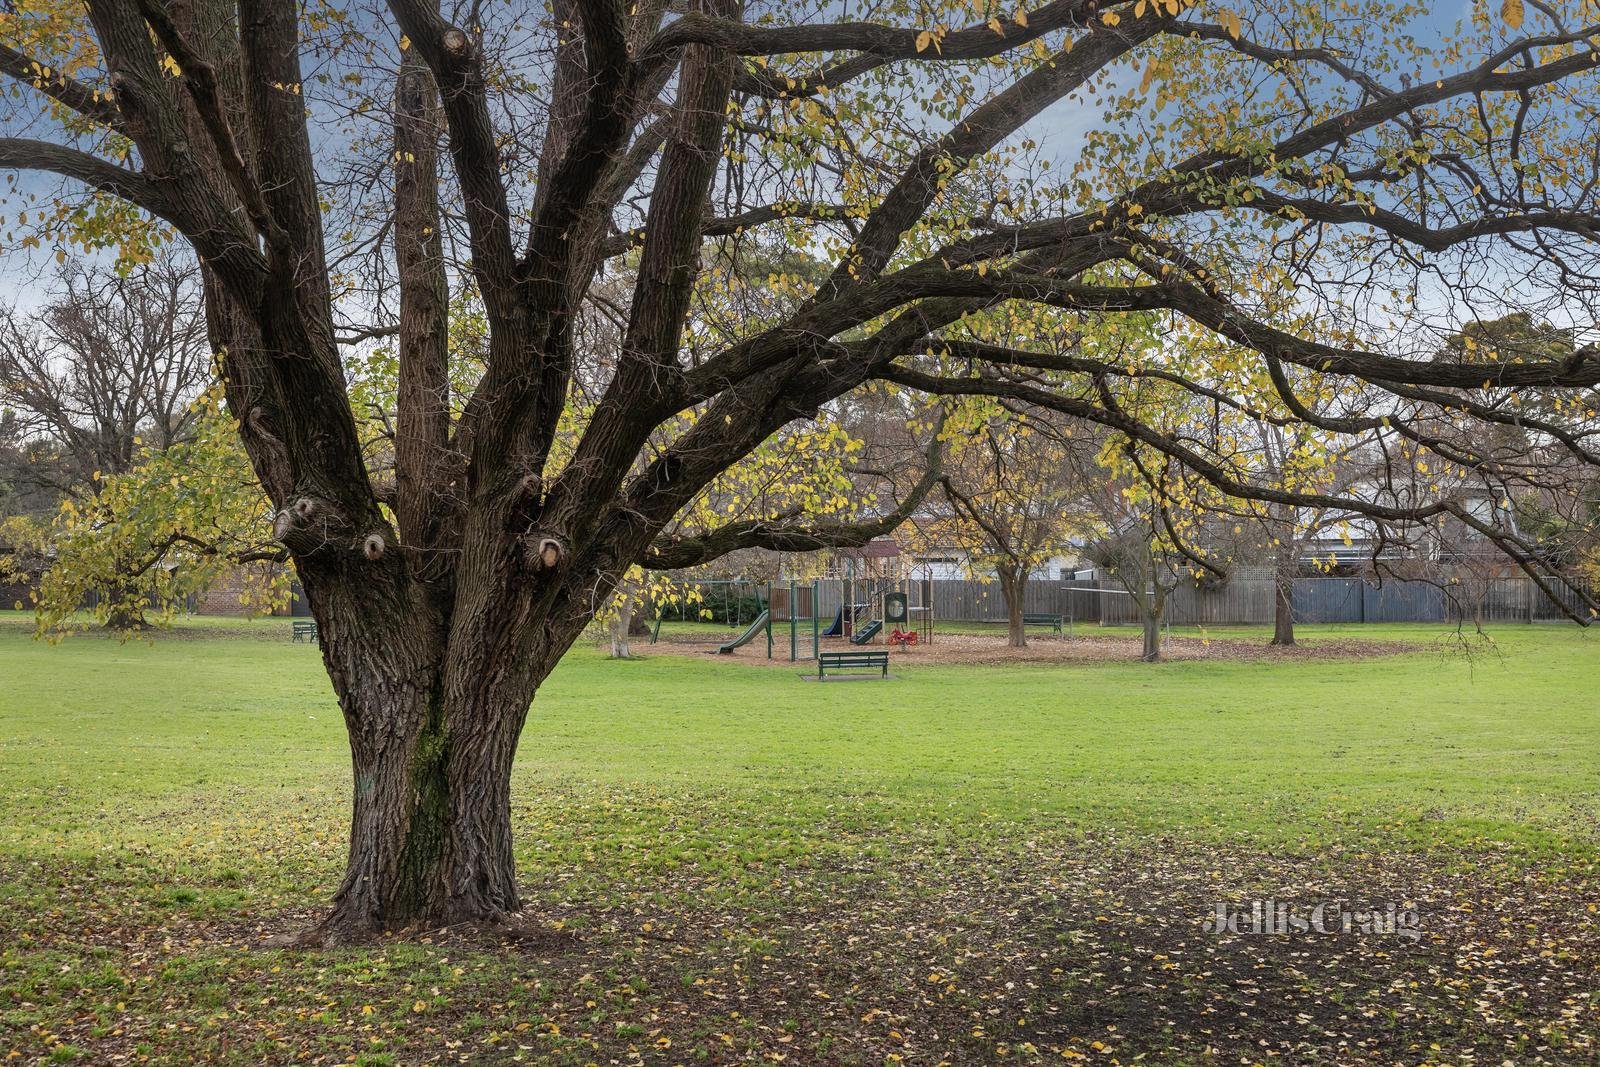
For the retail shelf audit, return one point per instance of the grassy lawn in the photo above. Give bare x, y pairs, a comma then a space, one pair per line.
731, 864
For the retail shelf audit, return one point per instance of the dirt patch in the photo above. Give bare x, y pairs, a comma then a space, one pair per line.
984, 649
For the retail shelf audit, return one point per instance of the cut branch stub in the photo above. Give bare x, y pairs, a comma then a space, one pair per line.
373, 546
547, 552
308, 524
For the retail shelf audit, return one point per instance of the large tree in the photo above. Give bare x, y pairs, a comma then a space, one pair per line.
908, 151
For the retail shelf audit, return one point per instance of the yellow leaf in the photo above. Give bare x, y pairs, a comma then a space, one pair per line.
1511, 12
923, 40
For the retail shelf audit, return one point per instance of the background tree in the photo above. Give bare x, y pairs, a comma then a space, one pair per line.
109, 365
136, 551
445, 603
1296, 457
1150, 519
1012, 495
105, 372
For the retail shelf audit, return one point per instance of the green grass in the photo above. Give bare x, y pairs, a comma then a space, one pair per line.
194, 788
1504, 745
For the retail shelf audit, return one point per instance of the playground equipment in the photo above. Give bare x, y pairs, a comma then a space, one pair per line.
796, 603
875, 575
860, 609
760, 623
1072, 607
867, 632
838, 627
922, 623
734, 603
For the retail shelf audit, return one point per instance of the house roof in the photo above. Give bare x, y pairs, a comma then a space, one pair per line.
882, 548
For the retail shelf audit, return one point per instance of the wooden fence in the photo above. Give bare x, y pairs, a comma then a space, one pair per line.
1241, 601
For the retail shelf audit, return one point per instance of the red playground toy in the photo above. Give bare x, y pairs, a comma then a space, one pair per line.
903, 638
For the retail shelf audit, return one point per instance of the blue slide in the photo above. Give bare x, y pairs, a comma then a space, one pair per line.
837, 629
746, 637
867, 632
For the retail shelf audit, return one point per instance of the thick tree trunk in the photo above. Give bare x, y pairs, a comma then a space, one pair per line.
1011, 591
434, 712
430, 830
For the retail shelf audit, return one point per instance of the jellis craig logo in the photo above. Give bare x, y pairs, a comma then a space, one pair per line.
1279, 918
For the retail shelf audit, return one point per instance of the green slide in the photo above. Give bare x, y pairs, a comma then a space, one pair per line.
867, 632
746, 637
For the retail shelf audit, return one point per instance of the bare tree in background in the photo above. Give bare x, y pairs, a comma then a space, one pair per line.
110, 364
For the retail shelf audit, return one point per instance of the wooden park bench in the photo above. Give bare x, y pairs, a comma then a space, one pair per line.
303, 631
850, 661
1041, 618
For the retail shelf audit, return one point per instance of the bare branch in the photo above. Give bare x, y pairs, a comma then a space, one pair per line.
18, 153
